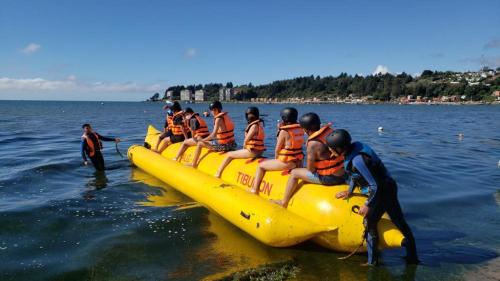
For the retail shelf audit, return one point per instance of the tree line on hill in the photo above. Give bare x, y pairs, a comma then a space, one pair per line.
381, 87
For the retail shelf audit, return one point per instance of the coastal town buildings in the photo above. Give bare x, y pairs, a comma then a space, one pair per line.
186, 95
226, 94
169, 95
199, 95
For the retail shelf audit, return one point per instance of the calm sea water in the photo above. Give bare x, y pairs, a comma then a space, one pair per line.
61, 221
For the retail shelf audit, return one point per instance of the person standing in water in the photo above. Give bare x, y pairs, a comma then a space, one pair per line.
253, 145
288, 153
322, 166
91, 146
366, 171
223, 133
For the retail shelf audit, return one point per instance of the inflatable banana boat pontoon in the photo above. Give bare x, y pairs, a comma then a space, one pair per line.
313, 212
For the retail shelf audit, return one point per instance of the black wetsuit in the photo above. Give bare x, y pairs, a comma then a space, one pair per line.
97, 159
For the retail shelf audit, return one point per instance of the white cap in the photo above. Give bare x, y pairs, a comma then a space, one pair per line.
168, 104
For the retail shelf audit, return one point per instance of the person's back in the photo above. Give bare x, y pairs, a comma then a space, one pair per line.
225, 132
288, 150
325, 162
322, 167
221, 138
253, 145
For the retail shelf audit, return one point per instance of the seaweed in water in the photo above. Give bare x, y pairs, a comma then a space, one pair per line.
267, 272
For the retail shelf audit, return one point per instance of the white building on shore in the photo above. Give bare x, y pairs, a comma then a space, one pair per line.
186, 95
199, 95
226, 94
169, 95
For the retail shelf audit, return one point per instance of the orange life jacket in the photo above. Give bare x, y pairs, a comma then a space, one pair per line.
293, 150
175, 129
202, 130
256, 143
90, 143
334, 163
226, 135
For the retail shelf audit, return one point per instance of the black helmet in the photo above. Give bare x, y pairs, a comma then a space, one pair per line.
339, 140
215, 104
176, 107
188, 110
310, 121
289, 115
254, 112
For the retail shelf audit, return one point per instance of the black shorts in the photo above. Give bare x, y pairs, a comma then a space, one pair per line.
165, 134
176, 138
224, 147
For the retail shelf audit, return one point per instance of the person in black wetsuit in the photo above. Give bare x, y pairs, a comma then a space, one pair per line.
92, 145
366, 171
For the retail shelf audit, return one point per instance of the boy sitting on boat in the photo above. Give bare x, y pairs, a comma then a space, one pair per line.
288, 153
177, 130
253, 145
323, 167
198, 128
222, 134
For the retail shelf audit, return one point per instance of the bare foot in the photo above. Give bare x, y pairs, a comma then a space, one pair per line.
217, 175
254, 191
279, 202
189, 165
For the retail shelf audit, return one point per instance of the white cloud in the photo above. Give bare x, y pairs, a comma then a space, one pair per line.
191, 52
381, 69
71, 84
30, 48
491, 61
492, 44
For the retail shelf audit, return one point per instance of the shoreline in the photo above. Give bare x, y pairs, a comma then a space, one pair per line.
468, 103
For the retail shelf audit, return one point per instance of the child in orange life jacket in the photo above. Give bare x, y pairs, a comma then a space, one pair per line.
176, 127
223, 133
198, 128
323, 167
253, 146
166, 132
288, 151
92, 145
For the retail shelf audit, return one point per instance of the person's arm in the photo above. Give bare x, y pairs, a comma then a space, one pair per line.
251, 133
359, 163
193, 124
311, 156
83, 147
212, 135
103, 138
280, 143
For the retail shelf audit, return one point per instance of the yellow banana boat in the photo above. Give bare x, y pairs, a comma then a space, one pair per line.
252, 214
313, 212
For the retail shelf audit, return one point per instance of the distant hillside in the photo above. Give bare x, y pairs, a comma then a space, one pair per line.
473, 86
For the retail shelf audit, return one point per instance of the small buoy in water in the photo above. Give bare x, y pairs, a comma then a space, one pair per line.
460, 136
102, 103
381, 129
498, 163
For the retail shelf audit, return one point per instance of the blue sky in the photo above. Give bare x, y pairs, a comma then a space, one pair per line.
127, 50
